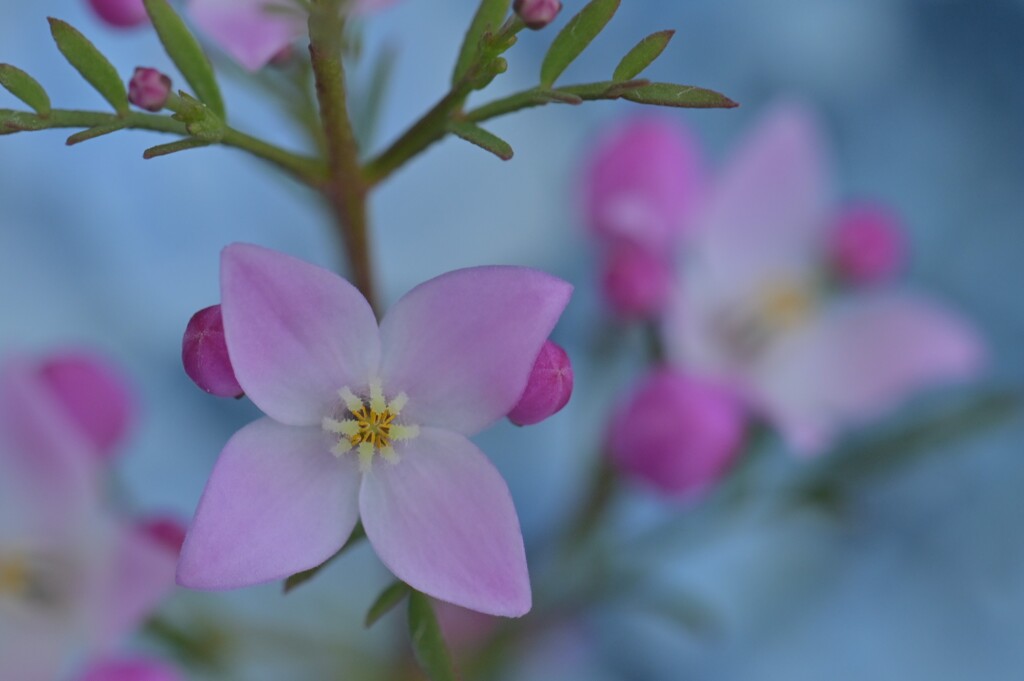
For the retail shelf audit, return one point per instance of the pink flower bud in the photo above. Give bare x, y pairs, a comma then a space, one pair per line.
94, 396
130, 669
166, 532
636, 282
537, 14
677, 433
149, 89
204, 352
549, 387
120, 13
867, 245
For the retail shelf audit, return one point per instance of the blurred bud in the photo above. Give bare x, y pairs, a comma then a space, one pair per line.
464, 629
537, 14
677, 433
120, 13
867, 245
204, 352
130, 669
549, 387
284, 57
643, 183
149, 89
95, 397
166, 532
636, 282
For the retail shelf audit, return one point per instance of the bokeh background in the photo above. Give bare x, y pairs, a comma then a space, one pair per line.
923, 101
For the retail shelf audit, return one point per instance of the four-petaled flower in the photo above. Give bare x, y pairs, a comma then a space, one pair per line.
372, 422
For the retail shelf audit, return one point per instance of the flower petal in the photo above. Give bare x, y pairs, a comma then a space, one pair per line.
246, 29
860, 359
278, 502
443, 521
130, 669
462, 345
296, 333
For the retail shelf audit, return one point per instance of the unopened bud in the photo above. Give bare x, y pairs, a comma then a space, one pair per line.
677, 433
537, 14
867, 245
549, 387
204, 352
120, 13
94, 396
149, 89
636, 281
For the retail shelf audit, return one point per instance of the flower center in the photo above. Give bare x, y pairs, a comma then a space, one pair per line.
14, 575
748, 330
369, 425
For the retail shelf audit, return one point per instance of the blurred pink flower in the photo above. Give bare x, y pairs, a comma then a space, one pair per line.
676, 432
372, 422
120, 13
253, 32
750, 308
548, 389
866, 245
130, 669
73, 579
637, 281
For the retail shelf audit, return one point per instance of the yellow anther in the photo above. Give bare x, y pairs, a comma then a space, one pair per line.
371, 428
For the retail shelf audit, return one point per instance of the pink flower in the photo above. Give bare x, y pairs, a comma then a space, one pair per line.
642, 184
372, 422
751, 311
73, 578
866, 245
253, 32
120, 13
549, 387
130, 669
676, 432
637, 281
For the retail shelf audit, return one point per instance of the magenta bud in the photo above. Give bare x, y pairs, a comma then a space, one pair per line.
867, 245
537, 14
636, 281
549, 387
166, 532
149, 89
204, 352
677, 433
120, 13
94, 396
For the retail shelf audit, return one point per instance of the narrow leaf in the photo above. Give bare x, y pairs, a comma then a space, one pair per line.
174, 147
616, 90
91, 63
559, 96
643, 55
93, 133
300, 578
483, 139
488, 19
684, 96
386, 602
427, 640
574, 38
25, 88
187, 54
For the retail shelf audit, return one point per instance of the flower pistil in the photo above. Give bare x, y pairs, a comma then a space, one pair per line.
370, 426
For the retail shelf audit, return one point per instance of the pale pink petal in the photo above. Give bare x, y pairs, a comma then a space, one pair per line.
245, 29
296, 333
130, 669
860, 359
278, 502
769, 209
442, 520
462, 345
140, 576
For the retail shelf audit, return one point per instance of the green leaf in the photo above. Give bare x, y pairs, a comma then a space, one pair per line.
643, 55
186, 53
683, 96
91, 63
20, 121
300, 578
559, 96
483, 139
386, 602
427, 640
93, 133
174, 147
488, 19
574, 38
25, 88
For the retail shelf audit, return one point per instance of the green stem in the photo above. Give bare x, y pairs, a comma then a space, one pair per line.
306, 170
345, 189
